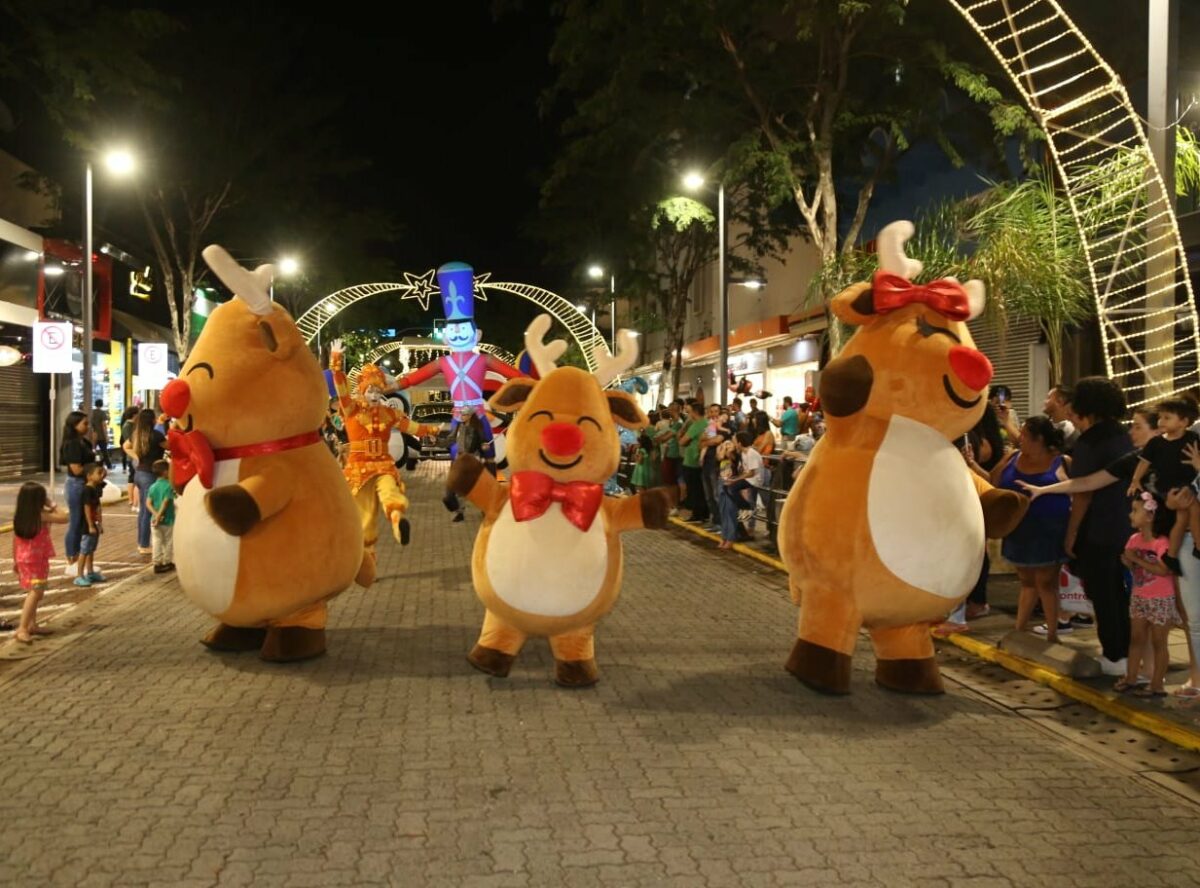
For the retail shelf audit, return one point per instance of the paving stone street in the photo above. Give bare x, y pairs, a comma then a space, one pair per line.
137, 757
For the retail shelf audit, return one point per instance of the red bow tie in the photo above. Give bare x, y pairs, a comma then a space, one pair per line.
191, 455
531, 494
946, 297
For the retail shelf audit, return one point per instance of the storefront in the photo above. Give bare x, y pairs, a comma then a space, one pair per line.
23, 395
792, 370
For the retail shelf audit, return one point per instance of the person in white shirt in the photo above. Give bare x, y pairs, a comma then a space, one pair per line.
739, 491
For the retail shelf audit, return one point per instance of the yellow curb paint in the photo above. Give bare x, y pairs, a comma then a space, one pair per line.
1181, 736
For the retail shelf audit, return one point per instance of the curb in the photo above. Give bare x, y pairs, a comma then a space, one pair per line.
1172, 732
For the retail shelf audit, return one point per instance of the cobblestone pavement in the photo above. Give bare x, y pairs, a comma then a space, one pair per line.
136, 757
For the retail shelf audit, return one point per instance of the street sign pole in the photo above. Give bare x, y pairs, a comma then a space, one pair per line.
53, 423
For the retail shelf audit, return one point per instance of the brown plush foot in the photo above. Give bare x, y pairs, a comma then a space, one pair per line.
576, 673
234, 638
490, 660
286, 644
910, 676
822, 669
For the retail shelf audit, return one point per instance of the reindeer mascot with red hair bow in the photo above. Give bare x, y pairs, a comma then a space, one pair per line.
885, 526
547, 559
370, 470
266, 531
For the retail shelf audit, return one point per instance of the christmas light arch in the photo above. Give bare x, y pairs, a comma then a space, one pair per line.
422, 287
1139, 275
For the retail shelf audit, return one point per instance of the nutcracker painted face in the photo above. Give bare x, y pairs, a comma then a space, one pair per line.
371, 384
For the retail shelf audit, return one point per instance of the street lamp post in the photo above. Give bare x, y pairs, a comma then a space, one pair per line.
693, 182
121, 163
596, 272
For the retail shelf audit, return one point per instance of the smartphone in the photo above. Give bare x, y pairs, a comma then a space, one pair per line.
1000, 397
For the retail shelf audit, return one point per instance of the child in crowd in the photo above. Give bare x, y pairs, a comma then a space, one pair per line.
1164, 457
1153, 609
161, 497
642, 460
32, 551
94, 523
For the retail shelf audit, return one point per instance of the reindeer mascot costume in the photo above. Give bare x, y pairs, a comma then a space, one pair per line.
370, 469
266, 531
547, 560
885, 526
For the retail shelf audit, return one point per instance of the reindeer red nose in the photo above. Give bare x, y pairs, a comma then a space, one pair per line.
175, 397
562, 438
971, 366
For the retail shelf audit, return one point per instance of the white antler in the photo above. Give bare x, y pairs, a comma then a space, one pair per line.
543, 354
252, 287
976, 297
609, 366
891, 242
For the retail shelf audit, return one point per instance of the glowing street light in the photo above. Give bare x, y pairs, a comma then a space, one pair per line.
119, 162
694, 181
595, 272
288, 266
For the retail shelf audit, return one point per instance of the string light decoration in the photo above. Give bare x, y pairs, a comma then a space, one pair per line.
1139, 274
422, 287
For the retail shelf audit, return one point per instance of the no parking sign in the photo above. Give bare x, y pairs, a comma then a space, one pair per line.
51, 347
152, 365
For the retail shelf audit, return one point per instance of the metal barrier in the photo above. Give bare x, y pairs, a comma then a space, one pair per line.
769, 500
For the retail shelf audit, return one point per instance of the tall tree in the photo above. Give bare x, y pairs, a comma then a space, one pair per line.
812, 101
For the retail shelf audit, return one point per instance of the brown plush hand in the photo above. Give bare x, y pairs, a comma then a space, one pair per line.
1002, 512
233, 509
463, 474
657, 504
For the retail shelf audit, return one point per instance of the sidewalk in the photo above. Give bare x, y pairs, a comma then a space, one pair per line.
116, 558
995, 638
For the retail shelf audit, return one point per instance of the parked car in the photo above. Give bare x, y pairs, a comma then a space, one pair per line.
437, 413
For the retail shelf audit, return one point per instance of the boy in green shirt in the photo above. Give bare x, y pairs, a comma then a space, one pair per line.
689, 438
161, 500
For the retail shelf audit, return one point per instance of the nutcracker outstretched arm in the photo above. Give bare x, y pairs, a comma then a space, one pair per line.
421, 374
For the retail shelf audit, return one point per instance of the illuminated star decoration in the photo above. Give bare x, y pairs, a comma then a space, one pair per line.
480, 280
420, 287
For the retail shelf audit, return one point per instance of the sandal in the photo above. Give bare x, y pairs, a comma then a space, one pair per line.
1188, 692
1123, 685
1146, 692
7, 626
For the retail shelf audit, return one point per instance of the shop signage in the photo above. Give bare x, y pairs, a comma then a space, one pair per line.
152, 365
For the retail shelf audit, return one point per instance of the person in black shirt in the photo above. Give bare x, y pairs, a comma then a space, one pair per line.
1165, 457
76, 454
1099, 524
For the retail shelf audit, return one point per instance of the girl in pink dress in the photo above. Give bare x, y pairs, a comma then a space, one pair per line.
1152, 610
32, 551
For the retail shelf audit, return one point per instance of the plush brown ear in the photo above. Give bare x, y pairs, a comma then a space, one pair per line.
512, 394
855, 305
625, 410
279, 334
846, 385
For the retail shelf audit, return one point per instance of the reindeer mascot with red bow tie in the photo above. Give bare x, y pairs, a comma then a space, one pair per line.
266, 530
547, 559
885, 526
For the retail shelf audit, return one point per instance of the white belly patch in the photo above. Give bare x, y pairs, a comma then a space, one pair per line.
546, 566
206, 557
923, 511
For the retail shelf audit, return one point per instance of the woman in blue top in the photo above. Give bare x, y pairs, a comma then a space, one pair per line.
1035, 548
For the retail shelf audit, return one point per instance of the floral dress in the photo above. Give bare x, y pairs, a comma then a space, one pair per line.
33, 556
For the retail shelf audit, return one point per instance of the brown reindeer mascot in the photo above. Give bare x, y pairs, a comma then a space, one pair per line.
266, 530
547, 559
885, 526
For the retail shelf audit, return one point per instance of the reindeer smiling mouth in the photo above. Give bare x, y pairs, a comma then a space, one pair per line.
961, 402
552, 464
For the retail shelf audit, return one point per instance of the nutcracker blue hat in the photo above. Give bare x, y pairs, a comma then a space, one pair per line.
456, 280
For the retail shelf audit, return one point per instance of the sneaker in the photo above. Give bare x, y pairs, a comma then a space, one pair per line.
70, 571
1112, 667
1082, 620
169, 566
97, 577
82, 581
1063, 629
142, 551
975, 611
161, 568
